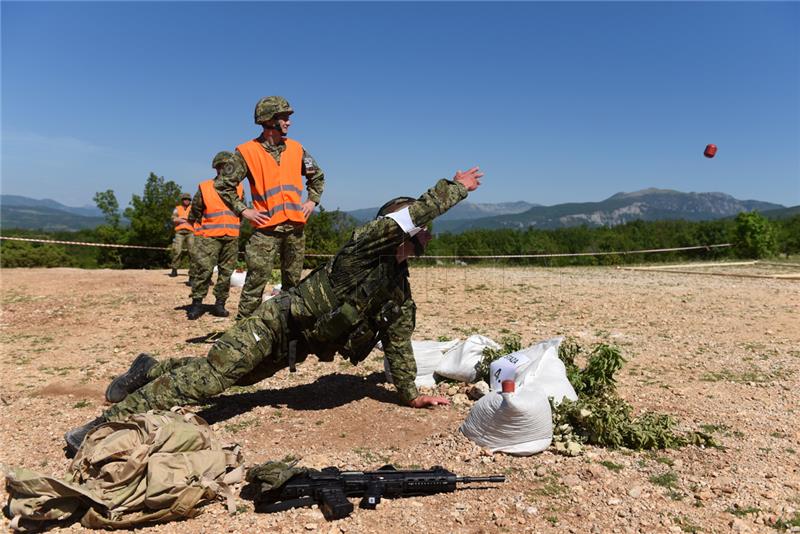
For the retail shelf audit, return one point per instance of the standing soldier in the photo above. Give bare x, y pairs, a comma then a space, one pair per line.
216, 242
274, 166
184, 233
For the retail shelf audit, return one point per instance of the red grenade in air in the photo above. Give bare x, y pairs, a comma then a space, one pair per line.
711, 151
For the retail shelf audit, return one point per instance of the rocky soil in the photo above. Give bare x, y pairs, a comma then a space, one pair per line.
719, 353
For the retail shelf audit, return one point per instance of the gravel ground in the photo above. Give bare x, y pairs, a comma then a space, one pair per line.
718, 353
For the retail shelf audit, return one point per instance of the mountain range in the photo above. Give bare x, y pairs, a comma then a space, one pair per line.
45, 214
647, 204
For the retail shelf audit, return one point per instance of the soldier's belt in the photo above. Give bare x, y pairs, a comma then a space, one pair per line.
279, 230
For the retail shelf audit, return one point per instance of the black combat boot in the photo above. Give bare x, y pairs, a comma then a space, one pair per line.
219, 309
174, 273
132, 379
75, 437
195, 310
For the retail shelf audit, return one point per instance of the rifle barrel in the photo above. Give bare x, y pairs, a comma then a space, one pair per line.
493, 478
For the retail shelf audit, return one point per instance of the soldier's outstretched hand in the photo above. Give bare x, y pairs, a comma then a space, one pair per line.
424, 401
470, 179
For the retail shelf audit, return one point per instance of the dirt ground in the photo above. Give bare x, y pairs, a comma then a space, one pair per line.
718, 353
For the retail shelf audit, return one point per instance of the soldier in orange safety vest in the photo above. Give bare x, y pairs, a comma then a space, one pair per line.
216, 243
275, 166
184, 233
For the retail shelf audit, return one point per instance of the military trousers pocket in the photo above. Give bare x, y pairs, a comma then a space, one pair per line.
242, 349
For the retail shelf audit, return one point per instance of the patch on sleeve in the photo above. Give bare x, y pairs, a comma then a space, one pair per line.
403, 220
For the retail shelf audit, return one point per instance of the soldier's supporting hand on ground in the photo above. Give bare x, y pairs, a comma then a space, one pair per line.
359, 297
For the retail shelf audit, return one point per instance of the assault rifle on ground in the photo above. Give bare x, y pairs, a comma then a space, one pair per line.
330, 488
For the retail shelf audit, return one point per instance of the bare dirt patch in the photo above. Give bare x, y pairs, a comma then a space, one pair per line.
721, 354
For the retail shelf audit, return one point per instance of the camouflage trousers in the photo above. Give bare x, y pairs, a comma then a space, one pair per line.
246, 354
289, 242
181, 244
208, 252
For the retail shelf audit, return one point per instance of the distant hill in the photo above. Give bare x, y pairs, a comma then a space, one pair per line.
783, 213
44, 218
25, 202
647, 204
462, 211
45, 214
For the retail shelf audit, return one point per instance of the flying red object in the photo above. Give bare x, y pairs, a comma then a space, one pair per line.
711, 151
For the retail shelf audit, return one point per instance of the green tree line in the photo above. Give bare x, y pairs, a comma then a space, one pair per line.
147, 220
751, 235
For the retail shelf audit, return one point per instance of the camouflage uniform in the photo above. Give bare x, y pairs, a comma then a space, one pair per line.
182, 244
287, 240
210, 252
309, 315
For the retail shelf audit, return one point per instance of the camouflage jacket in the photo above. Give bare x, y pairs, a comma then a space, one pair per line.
372, 247
237, 171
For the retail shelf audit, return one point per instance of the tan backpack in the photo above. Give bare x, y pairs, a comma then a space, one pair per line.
151, 468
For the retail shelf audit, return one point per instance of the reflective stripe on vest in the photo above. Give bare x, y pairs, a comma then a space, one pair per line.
183, 213
276, 188
218, 220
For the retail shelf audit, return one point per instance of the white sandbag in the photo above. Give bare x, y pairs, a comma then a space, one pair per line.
428, 355
518, 423
237, 278
459, 362
536, 367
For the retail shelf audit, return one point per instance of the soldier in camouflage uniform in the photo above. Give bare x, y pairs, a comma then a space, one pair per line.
359, 297
273, 165
184, 234
216, 243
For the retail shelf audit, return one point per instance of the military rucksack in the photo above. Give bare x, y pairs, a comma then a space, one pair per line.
151, 468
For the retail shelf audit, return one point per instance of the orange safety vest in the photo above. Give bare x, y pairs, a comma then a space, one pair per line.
276, 188
218, 219
183, 213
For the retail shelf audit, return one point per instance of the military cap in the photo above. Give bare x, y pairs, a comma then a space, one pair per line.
269, 106
221, 158
393, 205
186, 196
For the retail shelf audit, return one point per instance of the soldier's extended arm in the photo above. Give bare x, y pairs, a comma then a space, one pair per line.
230, 176
196, 213
381, 237
435, 201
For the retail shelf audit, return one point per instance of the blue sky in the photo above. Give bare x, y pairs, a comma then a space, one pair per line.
557, 102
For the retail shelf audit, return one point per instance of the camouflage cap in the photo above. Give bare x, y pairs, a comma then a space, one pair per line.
394, 205
221, 158
186, 196
269, 106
